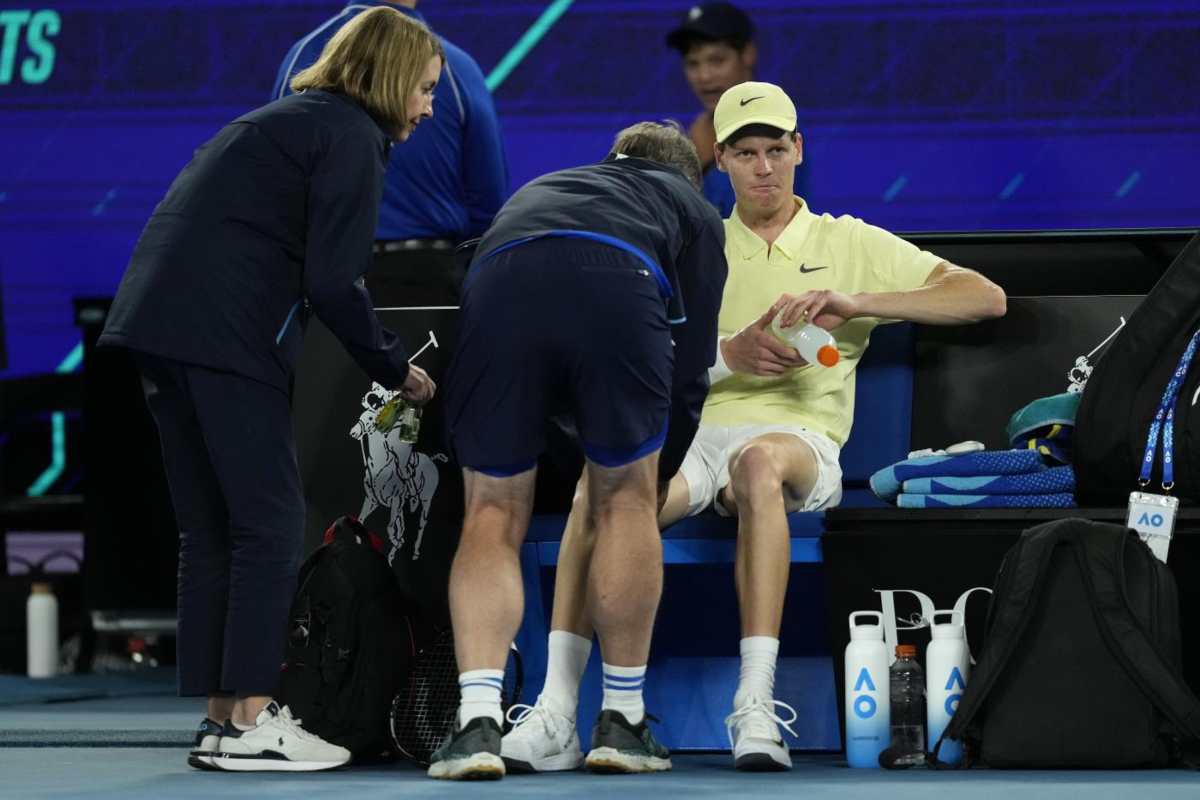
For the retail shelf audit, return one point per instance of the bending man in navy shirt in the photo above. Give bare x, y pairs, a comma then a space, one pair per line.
443, 187
595, 291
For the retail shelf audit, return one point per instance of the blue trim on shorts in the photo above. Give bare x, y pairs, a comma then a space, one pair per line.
664, 285
610, 457
504, 470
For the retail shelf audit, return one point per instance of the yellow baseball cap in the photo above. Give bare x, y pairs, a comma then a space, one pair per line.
753, 103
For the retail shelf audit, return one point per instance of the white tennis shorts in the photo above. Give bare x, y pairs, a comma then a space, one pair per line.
706, 466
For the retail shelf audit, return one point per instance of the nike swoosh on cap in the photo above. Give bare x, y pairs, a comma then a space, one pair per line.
811, 269
750, 100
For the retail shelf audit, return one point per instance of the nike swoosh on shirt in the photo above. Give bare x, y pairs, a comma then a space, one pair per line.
811, 269
751, 99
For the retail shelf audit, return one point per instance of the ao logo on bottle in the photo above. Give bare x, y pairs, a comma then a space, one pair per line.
957, 686
864, 704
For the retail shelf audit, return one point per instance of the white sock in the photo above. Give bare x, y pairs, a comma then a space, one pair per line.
564, 672
480, 690
623, 691
757, 676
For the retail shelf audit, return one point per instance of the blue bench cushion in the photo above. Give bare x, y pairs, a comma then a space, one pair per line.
882, 431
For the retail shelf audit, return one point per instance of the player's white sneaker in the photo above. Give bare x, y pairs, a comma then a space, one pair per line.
542, 740
276, 743
753, 729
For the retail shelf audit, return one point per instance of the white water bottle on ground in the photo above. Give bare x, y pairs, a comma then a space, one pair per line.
41, 626
868, 722
814, 343
947, 667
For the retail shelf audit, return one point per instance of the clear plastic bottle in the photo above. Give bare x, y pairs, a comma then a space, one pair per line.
814, 343
908, 707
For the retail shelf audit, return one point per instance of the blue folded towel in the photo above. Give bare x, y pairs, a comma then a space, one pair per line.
1057, 500
1055, 480
886, 482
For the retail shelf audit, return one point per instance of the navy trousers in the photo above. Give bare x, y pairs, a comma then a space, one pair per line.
230, 459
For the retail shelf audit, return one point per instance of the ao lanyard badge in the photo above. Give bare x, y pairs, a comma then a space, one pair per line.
1153, 515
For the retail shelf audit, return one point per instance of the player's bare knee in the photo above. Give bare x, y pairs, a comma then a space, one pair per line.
754, 477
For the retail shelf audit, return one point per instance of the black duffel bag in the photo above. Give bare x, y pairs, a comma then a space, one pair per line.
1081, 663
1125, 390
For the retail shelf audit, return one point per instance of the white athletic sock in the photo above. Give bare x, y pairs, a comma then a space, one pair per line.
757, 676
623, 691
564, 672
480, 690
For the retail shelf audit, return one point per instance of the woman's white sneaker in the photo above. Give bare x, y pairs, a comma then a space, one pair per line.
208, 738
542, 740
276, 743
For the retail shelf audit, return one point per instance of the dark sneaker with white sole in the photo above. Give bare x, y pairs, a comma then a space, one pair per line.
470, 753
618, 747
208, 738
276, 743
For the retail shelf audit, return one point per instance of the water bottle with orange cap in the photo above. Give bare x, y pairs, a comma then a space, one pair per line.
814, 343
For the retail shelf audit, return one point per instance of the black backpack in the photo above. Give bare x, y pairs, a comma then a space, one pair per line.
350, 644
1081, 660
1125, 388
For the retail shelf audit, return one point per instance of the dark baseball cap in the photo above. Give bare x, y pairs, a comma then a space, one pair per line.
712, 21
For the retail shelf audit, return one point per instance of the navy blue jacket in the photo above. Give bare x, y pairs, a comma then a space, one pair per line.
273, 217
451, 176
647, 209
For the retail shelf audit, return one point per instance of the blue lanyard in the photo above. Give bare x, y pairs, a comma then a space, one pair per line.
1165, 420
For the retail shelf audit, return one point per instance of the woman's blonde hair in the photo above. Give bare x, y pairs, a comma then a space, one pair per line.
377, 59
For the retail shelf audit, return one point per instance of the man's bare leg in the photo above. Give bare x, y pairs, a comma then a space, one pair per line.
625, 580
758, 474
535, 746
624, 587
486, 596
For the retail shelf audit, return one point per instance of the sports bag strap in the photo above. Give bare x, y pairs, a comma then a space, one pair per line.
1101, 553
338, 628
1018, 587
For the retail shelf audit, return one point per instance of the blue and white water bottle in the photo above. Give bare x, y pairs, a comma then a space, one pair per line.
947, 667
868, 718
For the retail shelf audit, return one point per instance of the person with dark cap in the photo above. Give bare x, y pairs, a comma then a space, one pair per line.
716, 41
443, 187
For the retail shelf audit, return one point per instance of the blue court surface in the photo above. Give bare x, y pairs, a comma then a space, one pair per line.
127, 738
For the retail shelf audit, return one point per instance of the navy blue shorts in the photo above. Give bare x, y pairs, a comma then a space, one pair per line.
559, 325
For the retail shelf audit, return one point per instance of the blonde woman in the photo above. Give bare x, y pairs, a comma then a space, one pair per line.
272, 221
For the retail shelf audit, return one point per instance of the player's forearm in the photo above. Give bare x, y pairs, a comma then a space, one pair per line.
957, 297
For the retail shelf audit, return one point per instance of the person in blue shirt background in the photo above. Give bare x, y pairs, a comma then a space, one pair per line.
716, 41
443, 187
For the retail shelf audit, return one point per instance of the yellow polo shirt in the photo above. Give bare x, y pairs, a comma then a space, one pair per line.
813, 252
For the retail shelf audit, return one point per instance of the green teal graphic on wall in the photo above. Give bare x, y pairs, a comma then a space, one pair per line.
26, 52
